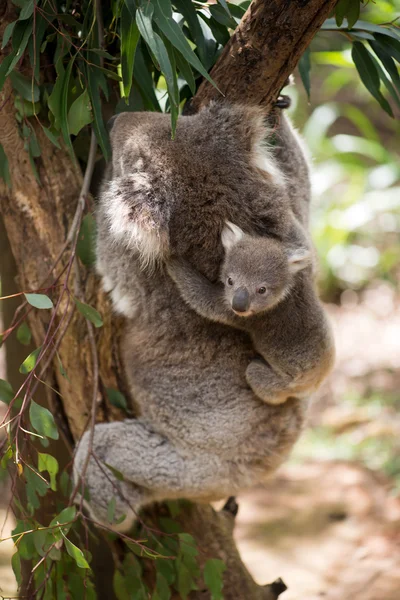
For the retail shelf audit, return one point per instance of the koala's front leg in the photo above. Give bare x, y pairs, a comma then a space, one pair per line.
269, 386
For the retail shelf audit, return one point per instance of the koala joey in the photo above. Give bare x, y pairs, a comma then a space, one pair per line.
201, 432
267, 290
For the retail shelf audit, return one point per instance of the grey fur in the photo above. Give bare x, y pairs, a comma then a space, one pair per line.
201, 432
268, 291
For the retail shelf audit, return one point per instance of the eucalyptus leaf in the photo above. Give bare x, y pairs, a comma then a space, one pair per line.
6, 392
129, 40
213, 571
24, 334
369, 74
48, 463
30, 362
89, 313
304, 70
43, 421
76, 554
39, 301
80, 113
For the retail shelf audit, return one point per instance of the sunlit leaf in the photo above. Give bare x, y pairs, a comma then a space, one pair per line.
48, 463
117, 399
30, 361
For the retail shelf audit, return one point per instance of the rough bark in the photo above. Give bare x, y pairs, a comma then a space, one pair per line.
252, 69
264, 50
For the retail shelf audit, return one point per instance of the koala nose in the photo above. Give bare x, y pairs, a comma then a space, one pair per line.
241, 300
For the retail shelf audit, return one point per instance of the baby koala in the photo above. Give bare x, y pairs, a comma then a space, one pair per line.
268, 291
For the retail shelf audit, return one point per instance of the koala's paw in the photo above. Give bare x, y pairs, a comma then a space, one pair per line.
265, 383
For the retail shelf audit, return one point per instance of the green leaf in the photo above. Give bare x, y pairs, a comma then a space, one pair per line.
89, 313
369, 74
64, 106
172, 31
52, 137
26, 11
76, 554
189, 12
30, 362
4, 172
353, 13
79, 114
341, 11
225, 5
43, 421
27, 88
49, 463
4, 68
117, 474
7, 34
21, 35
35, 486
94, 80
6, 391
162, 590
213, 570
304, 70
16, 567
185, 70
387, 61
85, 247
221, 16
388, 84
24, 334
392, 46
39, 301
66, 516
25, 545
117, 399
129, 40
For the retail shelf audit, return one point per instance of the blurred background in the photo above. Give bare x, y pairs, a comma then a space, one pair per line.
329, 523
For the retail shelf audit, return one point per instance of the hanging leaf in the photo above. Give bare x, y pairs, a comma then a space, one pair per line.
67, 516
6, 392
94, 80
162, 590
117, 399
304, 70
7, 34
85, 247
111, 510
21, 34
16, 567
43, 421
129, 40
172, 31
24, 334
89, 313
76, 554
49, 463
79, 114
189, 12
30, 362
27, 88
353, 13
52, 137
369, 74
185, 70
39, 301
213, 570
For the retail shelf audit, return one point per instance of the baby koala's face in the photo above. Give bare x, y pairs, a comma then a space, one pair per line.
257, 272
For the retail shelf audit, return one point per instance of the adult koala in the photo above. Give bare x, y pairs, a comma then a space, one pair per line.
201, 432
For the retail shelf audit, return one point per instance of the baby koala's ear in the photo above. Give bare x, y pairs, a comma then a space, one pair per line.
231, 235
299, 259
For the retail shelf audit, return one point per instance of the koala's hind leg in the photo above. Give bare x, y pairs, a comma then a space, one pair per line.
269, 386
152, 468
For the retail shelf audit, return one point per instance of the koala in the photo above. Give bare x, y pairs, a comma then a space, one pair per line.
201, 432
268, 291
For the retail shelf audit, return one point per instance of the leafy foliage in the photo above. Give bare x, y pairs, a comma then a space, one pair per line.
152, 55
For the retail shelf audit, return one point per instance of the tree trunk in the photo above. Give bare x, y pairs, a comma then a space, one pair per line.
253, 67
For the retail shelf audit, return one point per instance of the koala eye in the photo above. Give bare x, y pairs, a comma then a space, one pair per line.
230, 281
262, 290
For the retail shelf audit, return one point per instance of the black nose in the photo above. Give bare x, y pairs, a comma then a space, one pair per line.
241, 300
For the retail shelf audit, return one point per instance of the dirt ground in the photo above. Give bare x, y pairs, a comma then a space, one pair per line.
327, 524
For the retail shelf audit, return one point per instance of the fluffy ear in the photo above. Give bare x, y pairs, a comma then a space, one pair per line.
231, 235
299, 259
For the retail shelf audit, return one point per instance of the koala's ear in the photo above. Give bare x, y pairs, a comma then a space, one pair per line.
299, 259
231, 235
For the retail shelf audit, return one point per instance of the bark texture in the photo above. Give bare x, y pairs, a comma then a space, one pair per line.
37, 216
264, 50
